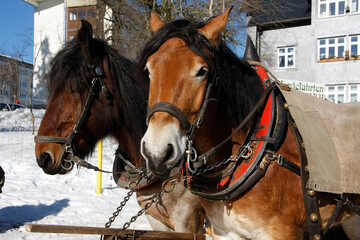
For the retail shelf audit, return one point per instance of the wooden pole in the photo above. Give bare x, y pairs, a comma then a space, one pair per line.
99, 165
108, 232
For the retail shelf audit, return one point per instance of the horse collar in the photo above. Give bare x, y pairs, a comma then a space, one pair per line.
249, 165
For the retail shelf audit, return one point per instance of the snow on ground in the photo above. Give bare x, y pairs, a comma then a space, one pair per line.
31, 196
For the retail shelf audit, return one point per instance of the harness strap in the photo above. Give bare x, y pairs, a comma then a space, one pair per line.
178, 114
341, 201
338, 207
200, 116
85, 110
53, 139
203, 158
172, 110
283, 162
311, 207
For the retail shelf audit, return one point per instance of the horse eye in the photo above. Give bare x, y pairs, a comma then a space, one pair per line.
146, 71
201, 72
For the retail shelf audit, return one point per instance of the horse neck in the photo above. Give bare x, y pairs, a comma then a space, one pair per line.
128, 145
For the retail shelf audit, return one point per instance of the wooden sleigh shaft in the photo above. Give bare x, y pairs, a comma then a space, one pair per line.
108, 232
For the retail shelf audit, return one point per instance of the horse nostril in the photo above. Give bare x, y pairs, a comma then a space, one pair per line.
45, 161
169, 152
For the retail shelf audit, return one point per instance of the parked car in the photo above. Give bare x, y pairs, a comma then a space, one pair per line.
10, 106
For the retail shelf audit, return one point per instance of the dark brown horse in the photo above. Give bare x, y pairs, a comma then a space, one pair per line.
87, 68
200, 94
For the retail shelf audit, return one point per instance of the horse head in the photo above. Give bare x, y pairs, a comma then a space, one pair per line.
85, 103
187, 65
178, 70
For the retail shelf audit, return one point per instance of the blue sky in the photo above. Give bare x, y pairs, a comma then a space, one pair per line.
17, 28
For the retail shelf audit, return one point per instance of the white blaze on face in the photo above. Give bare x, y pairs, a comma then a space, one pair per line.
162, 147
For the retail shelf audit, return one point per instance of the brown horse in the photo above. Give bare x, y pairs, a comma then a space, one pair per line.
190, 70
89, 67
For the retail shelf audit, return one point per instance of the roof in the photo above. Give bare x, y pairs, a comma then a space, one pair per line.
277, 14
33, 2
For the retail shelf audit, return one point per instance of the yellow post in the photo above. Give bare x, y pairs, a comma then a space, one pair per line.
99, 165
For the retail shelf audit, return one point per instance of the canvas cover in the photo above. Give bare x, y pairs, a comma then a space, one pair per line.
331, 134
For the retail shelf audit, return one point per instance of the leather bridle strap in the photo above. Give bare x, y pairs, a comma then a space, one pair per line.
178, 114
205, 156
47, 139
172, 110
79, 123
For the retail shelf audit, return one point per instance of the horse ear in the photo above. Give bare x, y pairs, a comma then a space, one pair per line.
155, 22
216, 25
85, 33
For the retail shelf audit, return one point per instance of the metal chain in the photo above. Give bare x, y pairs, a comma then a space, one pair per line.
245, 153
154, 199
143, 174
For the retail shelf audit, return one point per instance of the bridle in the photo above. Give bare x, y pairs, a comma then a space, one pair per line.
191, 153
190, 128
67, 156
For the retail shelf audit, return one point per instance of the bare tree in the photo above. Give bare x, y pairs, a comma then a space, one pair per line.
128, 21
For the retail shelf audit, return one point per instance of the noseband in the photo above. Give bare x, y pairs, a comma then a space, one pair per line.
179, 115
191, 153
67, 154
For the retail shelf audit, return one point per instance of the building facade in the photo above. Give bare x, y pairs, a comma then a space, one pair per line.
15, 81
55, 22
315, 51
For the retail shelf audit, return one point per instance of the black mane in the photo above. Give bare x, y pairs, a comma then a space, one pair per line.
70, 69
239, 87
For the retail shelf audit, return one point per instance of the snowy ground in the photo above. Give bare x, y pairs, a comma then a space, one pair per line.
31, 196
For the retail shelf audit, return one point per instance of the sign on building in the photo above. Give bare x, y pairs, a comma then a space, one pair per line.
315, 89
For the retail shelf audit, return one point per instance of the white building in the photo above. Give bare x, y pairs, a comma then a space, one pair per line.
55, 22
312, 45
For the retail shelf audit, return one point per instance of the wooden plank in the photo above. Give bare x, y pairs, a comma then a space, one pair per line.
128, 233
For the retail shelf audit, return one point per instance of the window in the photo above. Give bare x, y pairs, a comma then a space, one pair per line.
91, 13
22, 72
336, 93
73, 15
354, 45
343, 93
286, 57
82, 14
329, 8
355, 93
354, 6
331, 47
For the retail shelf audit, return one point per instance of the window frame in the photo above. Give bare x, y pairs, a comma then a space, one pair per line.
327, 4
82, 14
286, 55
351, 2
351, 43
334, 95
73, 15
354, 91
329, 45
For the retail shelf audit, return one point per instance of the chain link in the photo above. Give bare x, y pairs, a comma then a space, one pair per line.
168, 186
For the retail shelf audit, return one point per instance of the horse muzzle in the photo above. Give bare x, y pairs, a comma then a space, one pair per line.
46, 161
163, 148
